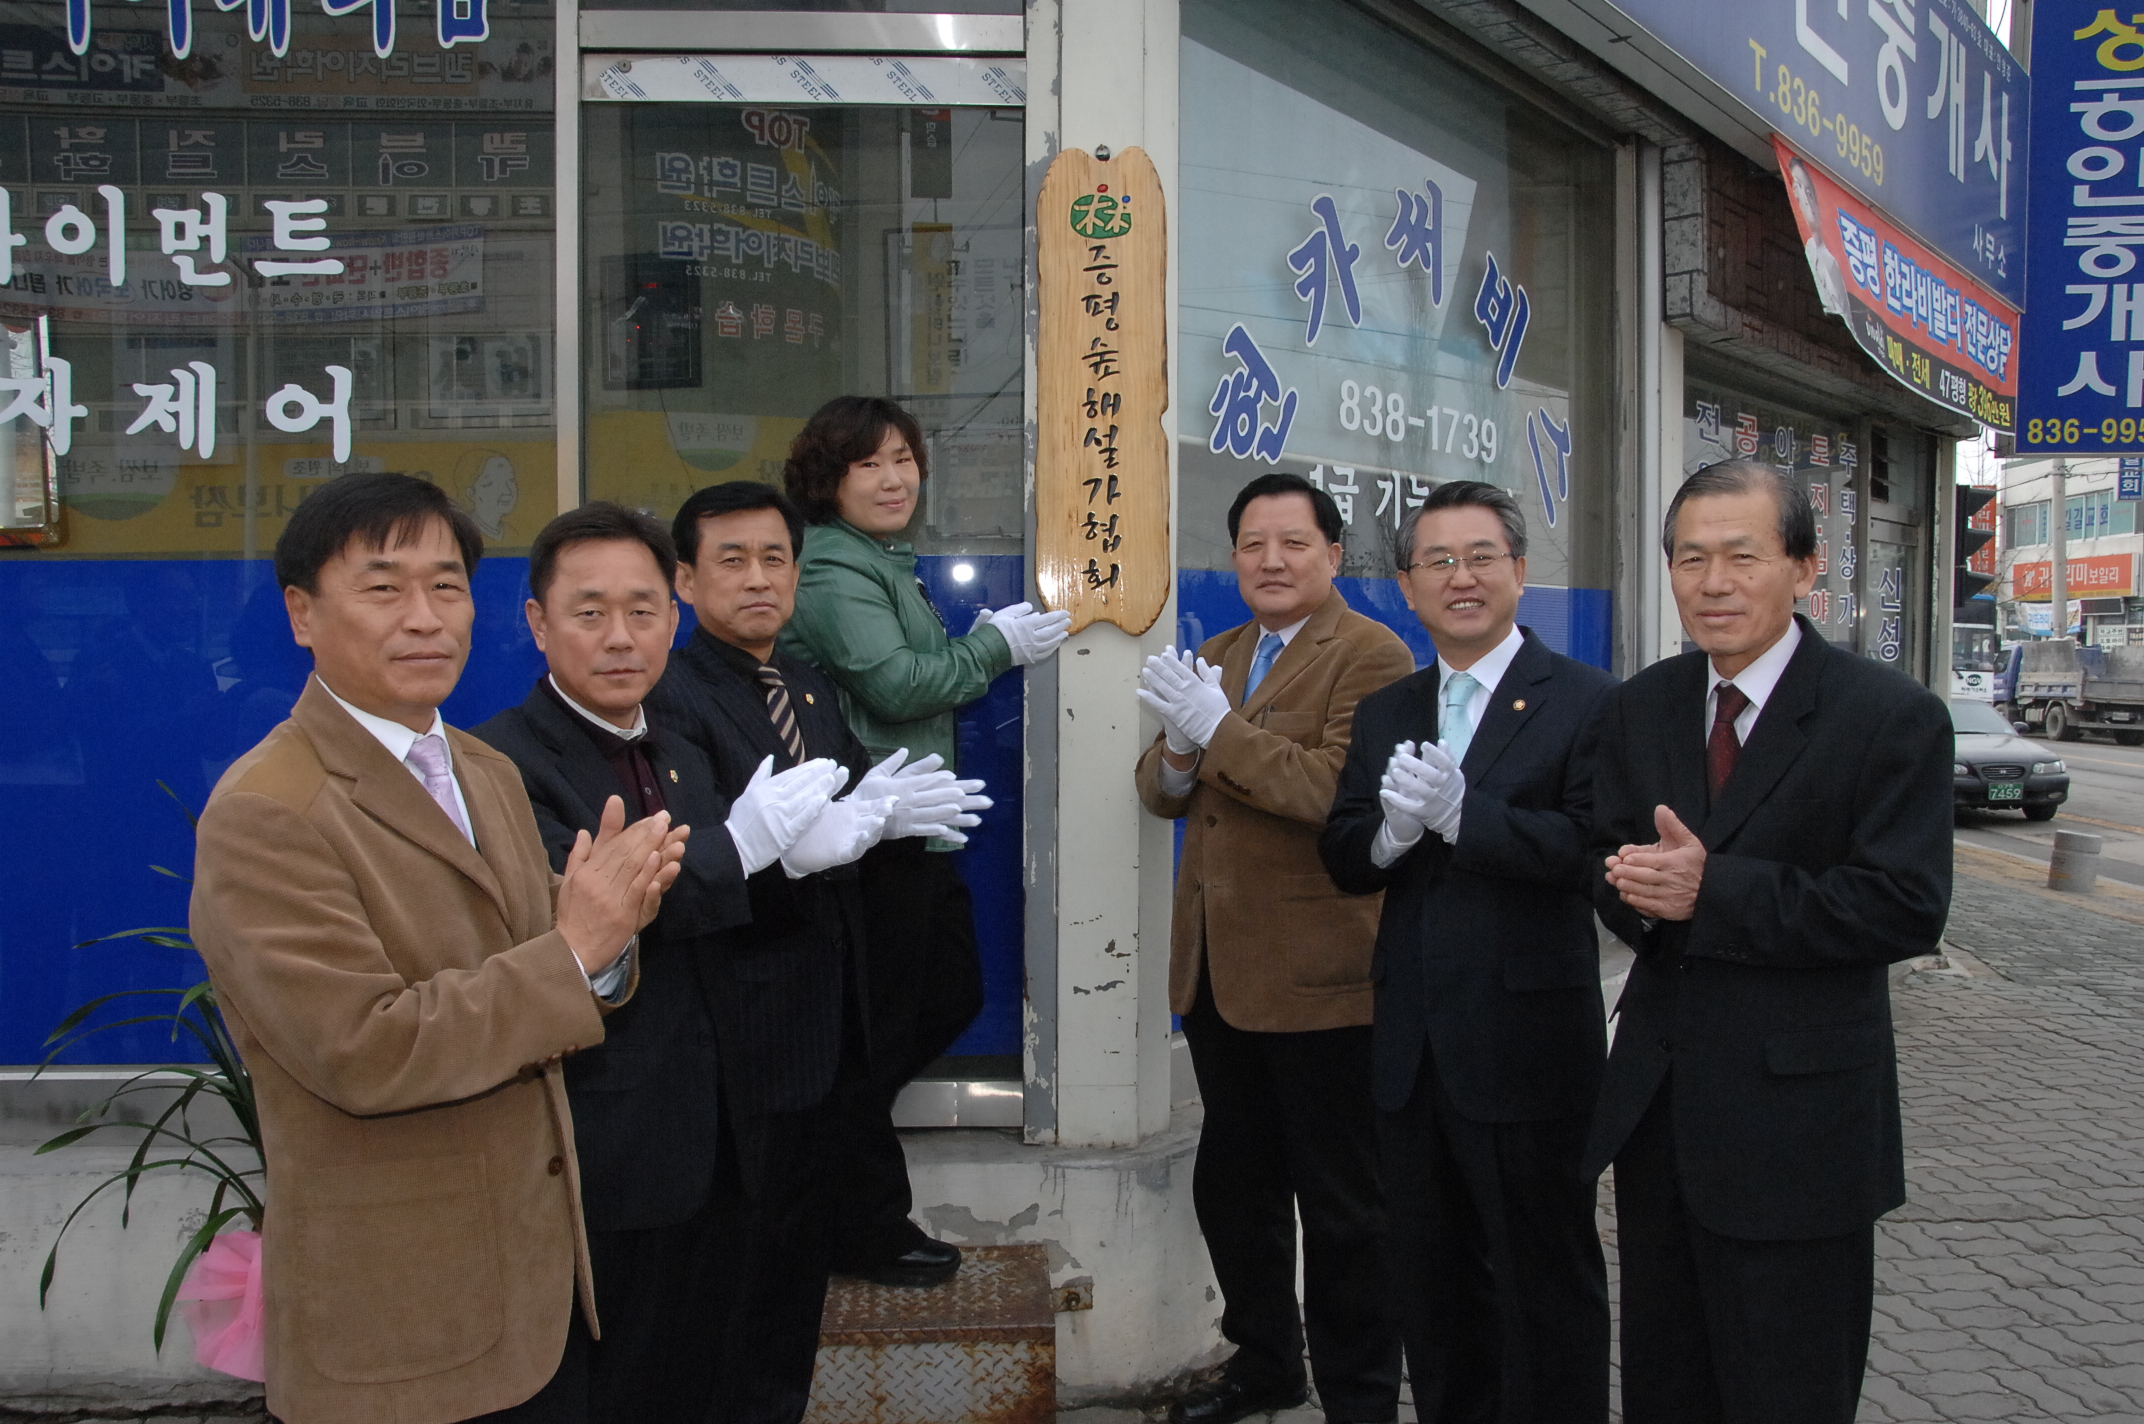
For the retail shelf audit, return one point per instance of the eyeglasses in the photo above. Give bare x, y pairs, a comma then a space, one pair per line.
1477, 564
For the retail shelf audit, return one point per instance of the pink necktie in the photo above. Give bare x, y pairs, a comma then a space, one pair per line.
428, 758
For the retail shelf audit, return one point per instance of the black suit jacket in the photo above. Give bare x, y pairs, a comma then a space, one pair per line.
1769, 1012
644, 1100
1486, 951
776, 984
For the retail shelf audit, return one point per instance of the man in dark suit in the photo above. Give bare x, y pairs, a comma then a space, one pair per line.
646, 1124
787, 990
1796, 807
1465, 799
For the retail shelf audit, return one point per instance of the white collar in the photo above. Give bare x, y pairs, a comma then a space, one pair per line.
1287, 634
633, 733
1489, 669
1758, 679
397, 738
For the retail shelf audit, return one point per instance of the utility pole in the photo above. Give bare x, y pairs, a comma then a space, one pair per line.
2058, 538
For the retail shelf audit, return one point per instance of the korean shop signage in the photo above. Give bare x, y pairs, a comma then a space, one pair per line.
2097, 576
2082, 386
1913, 103
1101, 460
268, 22
1936, 331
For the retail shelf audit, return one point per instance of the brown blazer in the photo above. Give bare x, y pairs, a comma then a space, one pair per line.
1289, 952
400, 1001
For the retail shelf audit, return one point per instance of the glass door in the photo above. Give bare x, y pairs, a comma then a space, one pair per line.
762, 234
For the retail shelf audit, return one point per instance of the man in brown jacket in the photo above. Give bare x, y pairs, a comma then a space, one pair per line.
378, 916
1269, 965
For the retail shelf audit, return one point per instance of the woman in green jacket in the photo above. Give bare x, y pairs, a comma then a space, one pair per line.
863, 618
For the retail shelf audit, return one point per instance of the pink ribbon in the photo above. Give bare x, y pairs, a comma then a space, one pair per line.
224, 1306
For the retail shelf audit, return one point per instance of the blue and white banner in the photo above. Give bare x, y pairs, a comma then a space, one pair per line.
1914, 104
2081, 379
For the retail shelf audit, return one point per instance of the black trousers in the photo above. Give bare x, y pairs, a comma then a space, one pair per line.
1719, 1330
768, 1250
1290, 1131
926, 986
1500, 1288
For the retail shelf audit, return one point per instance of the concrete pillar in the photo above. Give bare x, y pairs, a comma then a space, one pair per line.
1101, 72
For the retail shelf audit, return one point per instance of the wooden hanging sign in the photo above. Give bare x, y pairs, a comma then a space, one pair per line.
1101, 458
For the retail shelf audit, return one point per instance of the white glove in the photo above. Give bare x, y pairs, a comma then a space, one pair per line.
1432, 767
845, 830
1406, 795
1185, 693
929, 801
774, 809
1031, 635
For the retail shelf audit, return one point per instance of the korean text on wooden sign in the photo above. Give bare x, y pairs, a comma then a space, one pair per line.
1101, 460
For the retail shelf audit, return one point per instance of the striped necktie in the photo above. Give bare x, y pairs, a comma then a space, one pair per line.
781, 713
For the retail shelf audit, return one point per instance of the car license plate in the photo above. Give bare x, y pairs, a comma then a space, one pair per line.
2006, 791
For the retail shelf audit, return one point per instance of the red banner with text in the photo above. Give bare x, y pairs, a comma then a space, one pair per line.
1936, 331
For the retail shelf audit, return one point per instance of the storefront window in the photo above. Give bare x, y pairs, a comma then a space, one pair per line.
1393, 275
235, 267
749, 261
1870, 587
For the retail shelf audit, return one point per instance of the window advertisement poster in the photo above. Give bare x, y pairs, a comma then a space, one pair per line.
1383, 292
2082, 386
1917, 107
1930, 327
239, 296
1823, 457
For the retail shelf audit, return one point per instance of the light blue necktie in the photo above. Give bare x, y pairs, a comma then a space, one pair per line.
1458, 729
1262, 663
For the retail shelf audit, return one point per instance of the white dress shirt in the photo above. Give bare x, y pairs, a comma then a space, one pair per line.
1177, 783
633, 733
398, 739
1756, 682
1488, 673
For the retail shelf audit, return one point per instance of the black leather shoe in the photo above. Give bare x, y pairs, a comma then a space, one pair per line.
927, 1263
1225, 1400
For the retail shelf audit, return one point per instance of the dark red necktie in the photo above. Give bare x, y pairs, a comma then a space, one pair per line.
1723, 746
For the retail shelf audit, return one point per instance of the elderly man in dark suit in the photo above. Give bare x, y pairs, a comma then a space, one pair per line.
788, 989
1466, 799
1773, 827
645, 1100
1269, 963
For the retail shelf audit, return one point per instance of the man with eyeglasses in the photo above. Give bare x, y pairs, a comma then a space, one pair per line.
1465, 799
1269, 963
1772, 830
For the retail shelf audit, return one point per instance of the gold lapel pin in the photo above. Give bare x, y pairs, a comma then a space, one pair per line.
673, 773
810, 699
1519, 706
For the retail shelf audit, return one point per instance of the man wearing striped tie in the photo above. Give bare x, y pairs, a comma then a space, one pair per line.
789, 986
1270, 967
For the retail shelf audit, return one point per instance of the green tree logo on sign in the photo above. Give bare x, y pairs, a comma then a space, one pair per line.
1100, 215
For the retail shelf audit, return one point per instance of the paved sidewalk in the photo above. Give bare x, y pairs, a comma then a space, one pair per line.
2011, 1284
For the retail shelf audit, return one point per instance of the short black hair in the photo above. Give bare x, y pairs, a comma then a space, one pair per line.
841, 432
735, 497
1463, 494
381, 510
591, 523
1797, 520
1328, 513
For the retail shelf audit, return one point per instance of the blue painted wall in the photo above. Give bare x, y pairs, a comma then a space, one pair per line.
172, 668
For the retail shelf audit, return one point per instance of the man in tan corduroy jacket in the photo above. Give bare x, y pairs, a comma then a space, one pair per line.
1269, 966
377, 914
